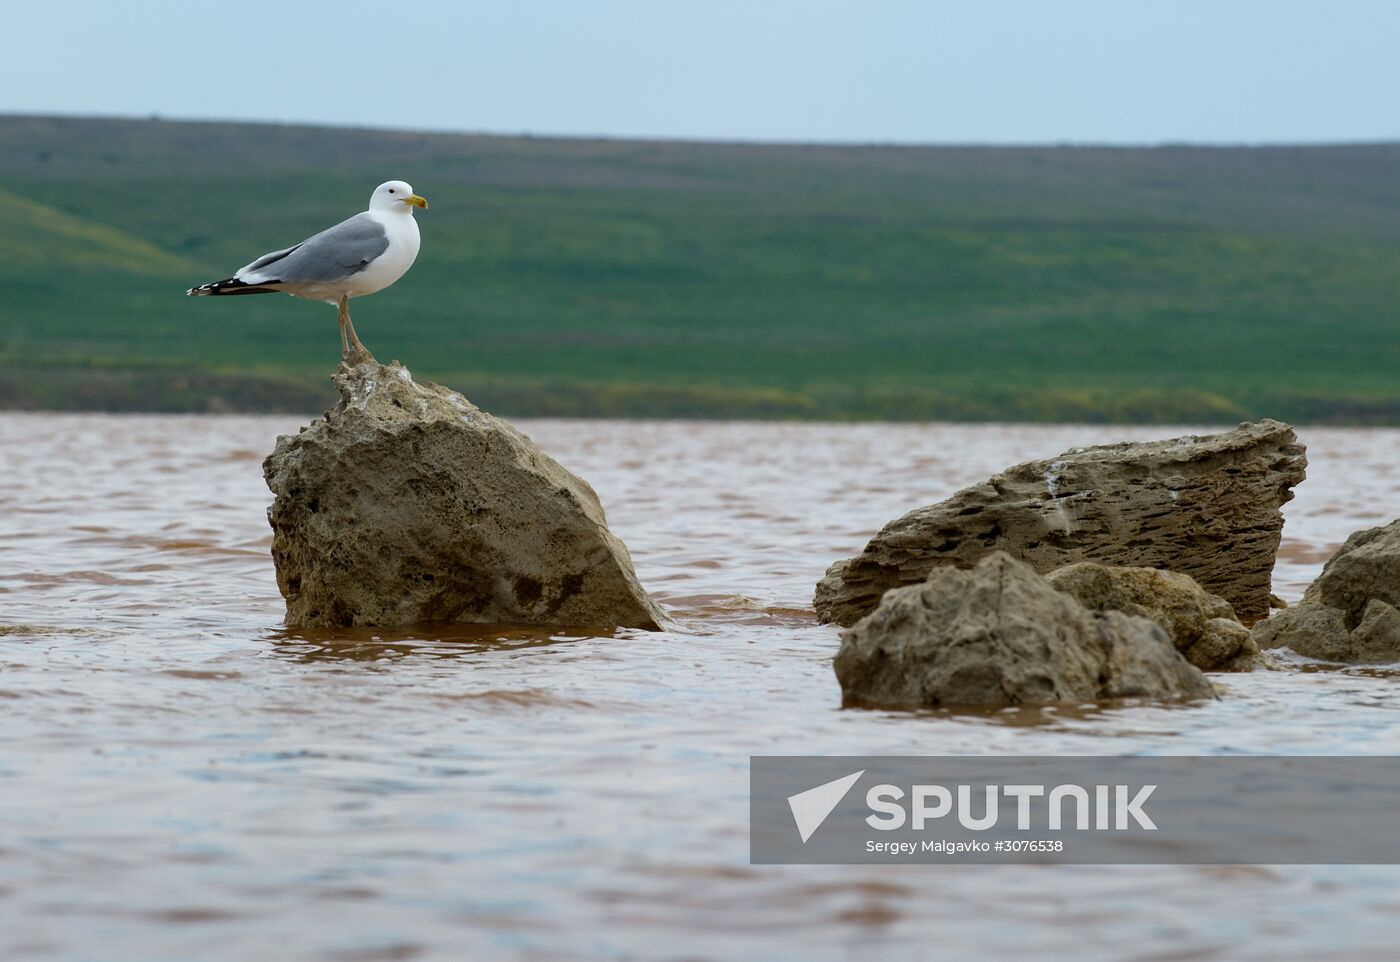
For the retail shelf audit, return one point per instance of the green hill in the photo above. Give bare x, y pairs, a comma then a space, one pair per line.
685, 279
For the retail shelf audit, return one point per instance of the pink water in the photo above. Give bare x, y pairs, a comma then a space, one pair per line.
182, 779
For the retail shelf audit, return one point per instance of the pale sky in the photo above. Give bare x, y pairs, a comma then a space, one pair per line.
938, 71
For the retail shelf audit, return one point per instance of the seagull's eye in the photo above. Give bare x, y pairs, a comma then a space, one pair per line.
391, 190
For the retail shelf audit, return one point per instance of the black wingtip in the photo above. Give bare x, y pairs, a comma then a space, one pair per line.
213, 287
229, 285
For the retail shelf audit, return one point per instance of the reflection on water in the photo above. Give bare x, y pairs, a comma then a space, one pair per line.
183, 778
446, 640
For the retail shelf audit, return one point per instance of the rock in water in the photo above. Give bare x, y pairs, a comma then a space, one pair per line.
1351, 613
405, 503
1201, 625
1207, 507
1000, 635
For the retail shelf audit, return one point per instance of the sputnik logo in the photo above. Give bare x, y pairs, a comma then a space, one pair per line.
811, 808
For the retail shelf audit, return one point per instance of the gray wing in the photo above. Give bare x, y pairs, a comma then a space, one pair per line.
330, 256
263, 261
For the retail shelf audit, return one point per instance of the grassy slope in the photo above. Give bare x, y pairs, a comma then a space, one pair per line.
566, 276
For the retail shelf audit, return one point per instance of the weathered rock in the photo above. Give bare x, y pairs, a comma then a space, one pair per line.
1349, 613
1365, 568
1201, 625
1229, 646
405, 504
1207, 507
998, 634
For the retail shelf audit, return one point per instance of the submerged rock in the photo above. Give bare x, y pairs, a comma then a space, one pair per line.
1207, 507
43, 630
1349, 613
998, 634
405, 503
1201, 625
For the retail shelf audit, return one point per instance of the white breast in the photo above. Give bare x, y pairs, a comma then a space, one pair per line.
397, 258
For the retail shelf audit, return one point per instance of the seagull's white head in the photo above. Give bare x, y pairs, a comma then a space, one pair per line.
395, 195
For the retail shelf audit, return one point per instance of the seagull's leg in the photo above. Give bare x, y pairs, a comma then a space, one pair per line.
357, 348
344, 314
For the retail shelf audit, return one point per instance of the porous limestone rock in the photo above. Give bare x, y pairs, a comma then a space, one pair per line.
1349, 613
1201, 625
1227, 645
998, 634
406, 504
1204, 506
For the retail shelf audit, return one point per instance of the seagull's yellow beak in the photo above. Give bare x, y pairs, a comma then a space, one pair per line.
416, 201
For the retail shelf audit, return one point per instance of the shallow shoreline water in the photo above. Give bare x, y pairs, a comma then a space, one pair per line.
181, 777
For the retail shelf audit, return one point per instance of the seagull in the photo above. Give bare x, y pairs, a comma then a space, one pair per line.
359, 256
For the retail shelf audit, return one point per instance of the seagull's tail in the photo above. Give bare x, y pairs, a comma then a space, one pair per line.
229, 285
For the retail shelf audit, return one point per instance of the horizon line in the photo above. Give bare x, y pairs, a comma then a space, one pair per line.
156, 117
